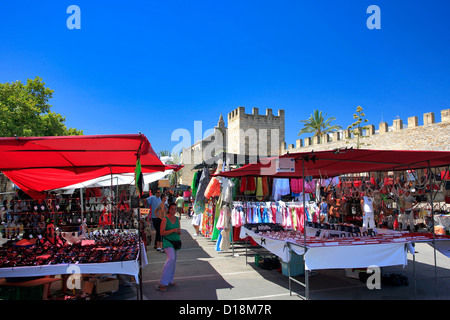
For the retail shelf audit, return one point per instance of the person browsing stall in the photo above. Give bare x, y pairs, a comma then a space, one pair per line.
180, 202
170, 232
367, 209
160, 213
323, 207
407, 205
153, 203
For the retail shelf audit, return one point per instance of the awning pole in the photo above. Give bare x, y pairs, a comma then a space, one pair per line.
304, 233
434, 232
82, 206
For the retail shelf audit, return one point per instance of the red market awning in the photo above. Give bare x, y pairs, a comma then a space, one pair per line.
332, 163
37, 164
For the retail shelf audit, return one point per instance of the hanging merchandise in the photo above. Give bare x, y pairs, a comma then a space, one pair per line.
194, 184
216, 229
202, 185
206, 227
228, 189
296, 186
236, 183
281, 187
310, 185
213, 188
259, 189
290, 215
262, 188
226, 228
248, 185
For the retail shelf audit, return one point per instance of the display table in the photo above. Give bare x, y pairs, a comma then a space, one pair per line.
385, 249
130, 267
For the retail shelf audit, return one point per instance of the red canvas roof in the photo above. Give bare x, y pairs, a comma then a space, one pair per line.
36, 164
335, 162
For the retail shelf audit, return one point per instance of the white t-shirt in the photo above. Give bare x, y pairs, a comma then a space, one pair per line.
368, 204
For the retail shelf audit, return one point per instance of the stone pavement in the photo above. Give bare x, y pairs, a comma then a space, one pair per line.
206, 274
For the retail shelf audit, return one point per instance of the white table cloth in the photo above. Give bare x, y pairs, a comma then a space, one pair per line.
130, 267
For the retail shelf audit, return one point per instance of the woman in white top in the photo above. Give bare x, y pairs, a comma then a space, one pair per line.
367, 209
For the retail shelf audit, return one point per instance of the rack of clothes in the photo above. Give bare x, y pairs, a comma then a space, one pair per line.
289, 215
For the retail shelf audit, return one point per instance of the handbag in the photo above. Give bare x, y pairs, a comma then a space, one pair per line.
176, 244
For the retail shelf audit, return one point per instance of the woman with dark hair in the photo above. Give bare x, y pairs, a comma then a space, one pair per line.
170, 232
160, 213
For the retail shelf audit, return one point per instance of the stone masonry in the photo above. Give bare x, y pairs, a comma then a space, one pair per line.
400, 136
255, 134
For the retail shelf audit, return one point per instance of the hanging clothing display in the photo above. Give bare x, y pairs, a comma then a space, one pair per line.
194, 184
213, 187
216, 229
228, 189
225, 226
290, 215
262, 188
207, 224
202, 185
296, 186
280, 187
199, 203
248, 185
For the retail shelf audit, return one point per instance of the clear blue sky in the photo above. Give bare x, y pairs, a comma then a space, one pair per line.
155, 66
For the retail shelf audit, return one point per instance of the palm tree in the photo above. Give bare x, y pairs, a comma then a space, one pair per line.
318, 125
164, 153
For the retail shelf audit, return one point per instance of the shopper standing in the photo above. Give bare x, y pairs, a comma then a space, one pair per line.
323, 209
153, 203
160, 213
170, 231
180, 202
408, 202
367, 208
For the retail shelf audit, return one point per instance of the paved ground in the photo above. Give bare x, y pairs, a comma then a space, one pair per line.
206, 274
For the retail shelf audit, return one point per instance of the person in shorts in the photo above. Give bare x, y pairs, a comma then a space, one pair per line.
179, 201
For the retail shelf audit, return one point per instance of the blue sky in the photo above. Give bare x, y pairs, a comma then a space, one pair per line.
157, 65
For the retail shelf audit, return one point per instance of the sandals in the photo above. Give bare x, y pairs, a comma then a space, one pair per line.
160, 287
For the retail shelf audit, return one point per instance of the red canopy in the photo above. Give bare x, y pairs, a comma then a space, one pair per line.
332, 163
37, 164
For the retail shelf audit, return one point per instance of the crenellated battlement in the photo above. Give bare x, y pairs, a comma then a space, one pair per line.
431, 135
246, 132
239, 113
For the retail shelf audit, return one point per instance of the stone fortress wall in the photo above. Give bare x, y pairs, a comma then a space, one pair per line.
431, 135
255, 134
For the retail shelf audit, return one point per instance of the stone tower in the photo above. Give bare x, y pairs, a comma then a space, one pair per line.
255, 134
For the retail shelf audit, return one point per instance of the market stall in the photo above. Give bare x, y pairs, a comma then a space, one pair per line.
41, 165
340, 163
